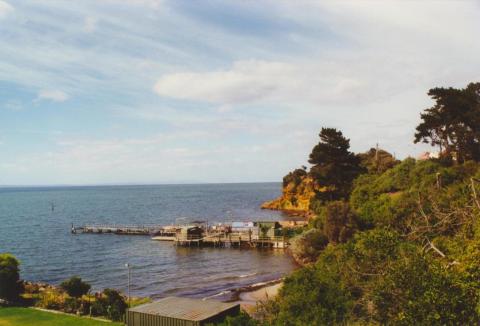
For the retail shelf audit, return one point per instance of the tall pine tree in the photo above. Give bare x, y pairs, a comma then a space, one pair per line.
334, 166
453, 123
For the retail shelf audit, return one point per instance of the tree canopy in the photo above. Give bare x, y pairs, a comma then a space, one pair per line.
334, 166
453, 123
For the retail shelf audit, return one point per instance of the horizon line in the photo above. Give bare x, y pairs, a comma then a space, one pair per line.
129, 184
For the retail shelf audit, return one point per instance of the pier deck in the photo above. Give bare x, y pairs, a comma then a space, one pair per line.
235, 240
208, 238
118, 229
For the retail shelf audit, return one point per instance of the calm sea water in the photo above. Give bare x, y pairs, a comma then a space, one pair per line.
48, 252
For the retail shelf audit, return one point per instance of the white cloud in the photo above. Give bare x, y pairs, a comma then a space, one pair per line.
90, 24
384, 49
5, 9
255, 81
340, 82
246, 81
155, 4
363, 67
53, 95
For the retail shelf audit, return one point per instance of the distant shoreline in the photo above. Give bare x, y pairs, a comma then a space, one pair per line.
192, 183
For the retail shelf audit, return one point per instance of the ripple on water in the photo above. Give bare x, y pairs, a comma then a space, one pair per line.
41, 238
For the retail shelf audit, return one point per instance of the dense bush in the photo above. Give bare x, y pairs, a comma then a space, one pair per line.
10, 284
307, 246
50, 299
422, 291
243, 319
75, 287
405, 250
110, 304
340, 222
310, 296
410, 255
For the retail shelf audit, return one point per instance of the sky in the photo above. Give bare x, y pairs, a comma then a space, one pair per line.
158, 91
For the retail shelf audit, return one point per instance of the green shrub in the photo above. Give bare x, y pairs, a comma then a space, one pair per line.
340, 222
75, 287
420, 291
243, 319
70, 305
310, 296
110, 304
51, 300
10, 284
307, 246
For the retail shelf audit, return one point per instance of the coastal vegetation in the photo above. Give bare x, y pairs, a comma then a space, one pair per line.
75, 287
72, 296
391, 242
18, 316
10, 284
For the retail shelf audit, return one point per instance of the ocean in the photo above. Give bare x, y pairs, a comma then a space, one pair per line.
41, 239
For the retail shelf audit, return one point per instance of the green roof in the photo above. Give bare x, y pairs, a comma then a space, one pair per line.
184, 308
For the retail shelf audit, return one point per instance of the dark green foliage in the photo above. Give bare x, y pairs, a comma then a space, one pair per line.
340, 222
114, 304
75, 287
400, 196
414, 257
70, 305
422, 291
334, 166
453, 123
404, 237
243, 319
296, 176
311, 296
10, 284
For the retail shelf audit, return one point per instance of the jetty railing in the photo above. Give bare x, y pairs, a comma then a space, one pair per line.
143, 229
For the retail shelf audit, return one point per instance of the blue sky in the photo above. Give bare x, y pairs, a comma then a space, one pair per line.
157, 91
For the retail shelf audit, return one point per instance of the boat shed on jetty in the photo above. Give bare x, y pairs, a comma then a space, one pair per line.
173, 311
258, 228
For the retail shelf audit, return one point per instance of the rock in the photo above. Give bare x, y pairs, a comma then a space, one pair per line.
295, 198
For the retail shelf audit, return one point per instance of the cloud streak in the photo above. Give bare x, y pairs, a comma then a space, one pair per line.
153, 89
54, 95
5, 9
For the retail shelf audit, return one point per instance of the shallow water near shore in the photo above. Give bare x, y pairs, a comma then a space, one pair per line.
48, 252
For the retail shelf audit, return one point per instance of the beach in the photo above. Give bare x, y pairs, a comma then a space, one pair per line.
248, 300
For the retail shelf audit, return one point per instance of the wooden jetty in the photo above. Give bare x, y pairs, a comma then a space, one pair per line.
119, 229
243, 235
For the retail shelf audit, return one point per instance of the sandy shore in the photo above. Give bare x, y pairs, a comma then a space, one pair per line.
248, 300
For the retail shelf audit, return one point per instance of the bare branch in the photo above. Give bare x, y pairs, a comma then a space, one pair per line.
432, 246
475, 198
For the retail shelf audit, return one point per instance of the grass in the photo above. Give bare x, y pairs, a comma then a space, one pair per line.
32, 317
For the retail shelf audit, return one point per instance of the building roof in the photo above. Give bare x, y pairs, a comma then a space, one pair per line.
184, 308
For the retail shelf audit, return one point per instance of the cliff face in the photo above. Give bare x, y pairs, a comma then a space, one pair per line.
296, 195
